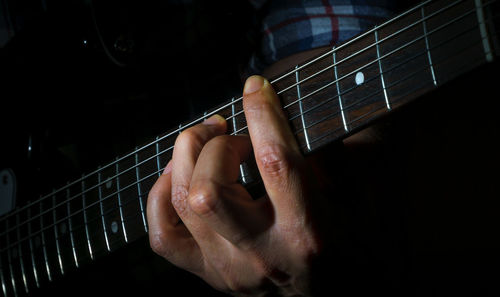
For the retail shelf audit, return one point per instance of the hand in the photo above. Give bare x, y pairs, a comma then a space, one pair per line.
202, 220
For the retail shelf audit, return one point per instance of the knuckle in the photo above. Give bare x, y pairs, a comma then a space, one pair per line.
204, 200
273, 160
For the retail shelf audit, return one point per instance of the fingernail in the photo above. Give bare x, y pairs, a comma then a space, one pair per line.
214, 120
168, 168
253, 84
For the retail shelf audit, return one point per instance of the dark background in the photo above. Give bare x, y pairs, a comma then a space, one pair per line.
80, 101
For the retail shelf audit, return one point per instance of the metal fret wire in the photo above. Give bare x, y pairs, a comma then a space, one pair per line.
35, 270
4, 288
166, 150
223, 107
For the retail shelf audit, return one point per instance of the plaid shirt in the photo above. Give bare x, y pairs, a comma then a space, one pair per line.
292, 26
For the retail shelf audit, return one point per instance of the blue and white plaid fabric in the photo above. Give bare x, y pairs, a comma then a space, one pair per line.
292, 26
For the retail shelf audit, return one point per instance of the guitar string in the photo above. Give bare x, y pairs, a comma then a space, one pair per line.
193, 122
154, 173
144, 161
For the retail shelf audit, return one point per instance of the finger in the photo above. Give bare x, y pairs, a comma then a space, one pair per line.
276, 151
167, 237
188, 146
219, 200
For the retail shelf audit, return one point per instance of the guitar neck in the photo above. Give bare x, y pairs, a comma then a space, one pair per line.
325, 99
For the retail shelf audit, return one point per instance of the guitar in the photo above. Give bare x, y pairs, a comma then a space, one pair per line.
326, 99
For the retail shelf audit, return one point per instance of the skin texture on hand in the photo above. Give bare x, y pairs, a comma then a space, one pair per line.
202, 220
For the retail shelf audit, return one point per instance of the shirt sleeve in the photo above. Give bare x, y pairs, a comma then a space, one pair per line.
292, 26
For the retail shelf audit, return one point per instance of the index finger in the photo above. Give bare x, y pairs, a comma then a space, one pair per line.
276, 151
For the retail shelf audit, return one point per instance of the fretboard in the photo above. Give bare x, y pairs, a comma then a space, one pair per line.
325, 99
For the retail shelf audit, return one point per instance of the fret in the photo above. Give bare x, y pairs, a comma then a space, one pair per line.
76, 245
482, 29
94, 216
120, 204
32, 253
157, 146
56, 233
63, 233
112, 207
4, 259
2, 277
337, 84
456, 38
34, 231
233, 117
404, 57
180, 128
318, 100
70, 225
380, 70
427, 47
9, 257
139, 191
301, 109
20, 253
359, 82
101, 207
243, 175
85, 220
130, 212
44, 245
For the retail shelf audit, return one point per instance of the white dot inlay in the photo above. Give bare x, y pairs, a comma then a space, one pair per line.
114, 227
360, 78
